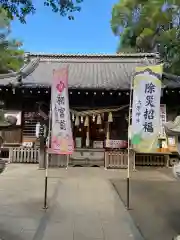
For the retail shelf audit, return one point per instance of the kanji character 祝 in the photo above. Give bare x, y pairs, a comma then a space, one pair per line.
60, 100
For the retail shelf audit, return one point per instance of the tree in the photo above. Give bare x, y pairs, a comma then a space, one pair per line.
127, 42
149, 26
11, 57
21, 8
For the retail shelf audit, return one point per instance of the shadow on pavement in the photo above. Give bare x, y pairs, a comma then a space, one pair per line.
155, 207
6, 234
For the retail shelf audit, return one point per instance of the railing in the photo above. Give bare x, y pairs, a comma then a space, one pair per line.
118, 159
87, 158
113, 158
158, 160
24, 155
58, 160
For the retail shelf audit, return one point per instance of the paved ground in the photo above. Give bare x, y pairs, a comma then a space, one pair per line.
155, 203
83, 205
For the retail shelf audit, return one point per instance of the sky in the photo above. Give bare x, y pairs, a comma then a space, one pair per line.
48, 32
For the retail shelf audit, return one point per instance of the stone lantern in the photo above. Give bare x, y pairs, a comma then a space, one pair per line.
5, 123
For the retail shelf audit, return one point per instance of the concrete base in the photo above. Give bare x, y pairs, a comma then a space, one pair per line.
39, 168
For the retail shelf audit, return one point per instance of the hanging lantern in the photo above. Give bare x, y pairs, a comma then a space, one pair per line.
86, 122
110, 117
87, 139
73, 117
77, 121
93, 118
82, 119
99, 119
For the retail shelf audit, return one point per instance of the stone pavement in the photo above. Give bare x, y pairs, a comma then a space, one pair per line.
155, 206
83, 205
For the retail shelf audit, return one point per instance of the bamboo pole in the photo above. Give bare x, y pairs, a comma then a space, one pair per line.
128, 167
47, 161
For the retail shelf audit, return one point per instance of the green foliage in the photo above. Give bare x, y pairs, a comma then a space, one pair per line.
21, 8
147, 26
11, 57
11, 60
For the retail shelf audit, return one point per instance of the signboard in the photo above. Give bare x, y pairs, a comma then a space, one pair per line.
162, 120
146, 108
61, 133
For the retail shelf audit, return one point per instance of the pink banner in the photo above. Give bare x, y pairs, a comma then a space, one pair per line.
61, 132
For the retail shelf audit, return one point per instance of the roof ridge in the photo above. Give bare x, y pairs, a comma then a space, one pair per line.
136, 55
29, 67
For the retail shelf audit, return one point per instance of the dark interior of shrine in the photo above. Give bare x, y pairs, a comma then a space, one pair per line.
28, 100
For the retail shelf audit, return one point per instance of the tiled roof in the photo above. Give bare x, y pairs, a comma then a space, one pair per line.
171, 81
88, 71
8, 78
85, 71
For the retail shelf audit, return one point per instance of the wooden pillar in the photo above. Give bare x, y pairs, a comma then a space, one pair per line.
42, 138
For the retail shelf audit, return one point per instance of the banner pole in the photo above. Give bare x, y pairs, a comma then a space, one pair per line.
128, 166
47, 162
67, 157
